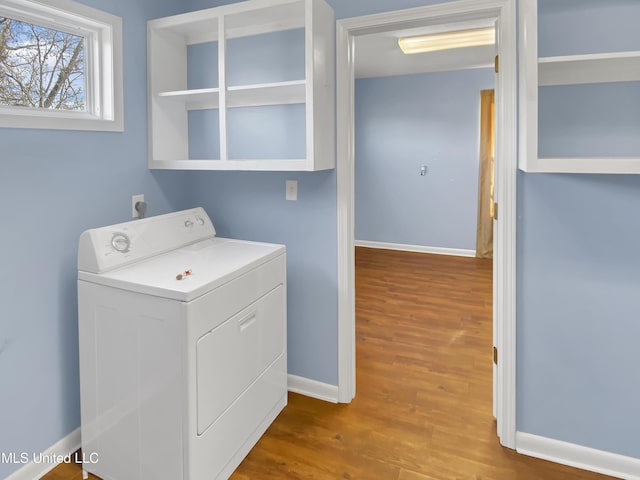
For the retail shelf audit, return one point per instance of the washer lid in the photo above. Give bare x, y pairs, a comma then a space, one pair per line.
190, 271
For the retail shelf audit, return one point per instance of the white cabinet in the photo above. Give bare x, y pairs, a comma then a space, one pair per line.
245, 86
579, 110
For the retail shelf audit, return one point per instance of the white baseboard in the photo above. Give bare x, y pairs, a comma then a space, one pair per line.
586, 458
312, 388
41, 463
457, 252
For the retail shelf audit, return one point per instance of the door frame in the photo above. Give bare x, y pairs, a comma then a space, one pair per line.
504, 294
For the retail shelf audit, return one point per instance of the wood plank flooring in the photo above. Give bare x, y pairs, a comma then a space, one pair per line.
423, 404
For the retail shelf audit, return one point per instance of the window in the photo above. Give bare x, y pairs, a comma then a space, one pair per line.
60, 66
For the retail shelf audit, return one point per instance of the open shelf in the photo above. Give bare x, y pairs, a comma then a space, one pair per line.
241, 96
195, 99
576, 112
597, 68
267, 94
274, 57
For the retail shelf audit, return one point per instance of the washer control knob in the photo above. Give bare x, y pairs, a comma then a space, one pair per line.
188, 224
120, 242
200, 220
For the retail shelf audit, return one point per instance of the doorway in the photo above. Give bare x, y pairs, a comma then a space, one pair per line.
503, 12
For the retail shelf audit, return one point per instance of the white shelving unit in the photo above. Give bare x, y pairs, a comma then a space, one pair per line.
536, 72
171, 100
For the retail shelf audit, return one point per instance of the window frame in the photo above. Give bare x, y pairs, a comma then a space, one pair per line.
103, 72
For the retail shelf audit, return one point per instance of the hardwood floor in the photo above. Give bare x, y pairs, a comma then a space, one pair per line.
423, 404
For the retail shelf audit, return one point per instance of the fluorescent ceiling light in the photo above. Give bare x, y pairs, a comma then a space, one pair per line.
447, 40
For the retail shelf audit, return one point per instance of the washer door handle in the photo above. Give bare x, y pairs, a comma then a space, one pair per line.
248, 320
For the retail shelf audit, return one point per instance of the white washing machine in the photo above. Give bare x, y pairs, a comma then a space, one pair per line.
182, 347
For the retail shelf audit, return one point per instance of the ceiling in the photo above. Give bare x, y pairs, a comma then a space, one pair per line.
378, 55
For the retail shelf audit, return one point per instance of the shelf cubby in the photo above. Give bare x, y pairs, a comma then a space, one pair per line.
588, 135
273, 55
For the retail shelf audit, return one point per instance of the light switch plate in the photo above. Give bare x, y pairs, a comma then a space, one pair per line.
292, 190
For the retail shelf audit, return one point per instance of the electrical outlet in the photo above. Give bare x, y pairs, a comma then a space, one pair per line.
292, 190
135, 199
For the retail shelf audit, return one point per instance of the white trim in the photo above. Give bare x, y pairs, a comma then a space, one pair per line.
528, 85
63, 448
345, 144
403, 247
313, 388
504, 315
506, 148
586, 458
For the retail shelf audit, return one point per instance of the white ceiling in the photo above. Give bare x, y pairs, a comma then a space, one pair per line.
378, 55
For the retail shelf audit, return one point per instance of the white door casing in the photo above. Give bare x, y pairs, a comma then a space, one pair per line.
504, 12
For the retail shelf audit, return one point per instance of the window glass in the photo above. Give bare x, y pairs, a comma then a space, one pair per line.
41, 67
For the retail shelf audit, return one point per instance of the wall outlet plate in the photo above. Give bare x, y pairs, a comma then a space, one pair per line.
135, 199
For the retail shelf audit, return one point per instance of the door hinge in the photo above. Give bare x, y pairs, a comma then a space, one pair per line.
495, 355
495, 211
497, 63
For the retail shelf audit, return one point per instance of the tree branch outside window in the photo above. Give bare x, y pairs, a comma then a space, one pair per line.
41, 67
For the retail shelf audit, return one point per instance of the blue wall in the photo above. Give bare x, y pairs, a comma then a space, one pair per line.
403, 123
599, 119
54, 185
578, 309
